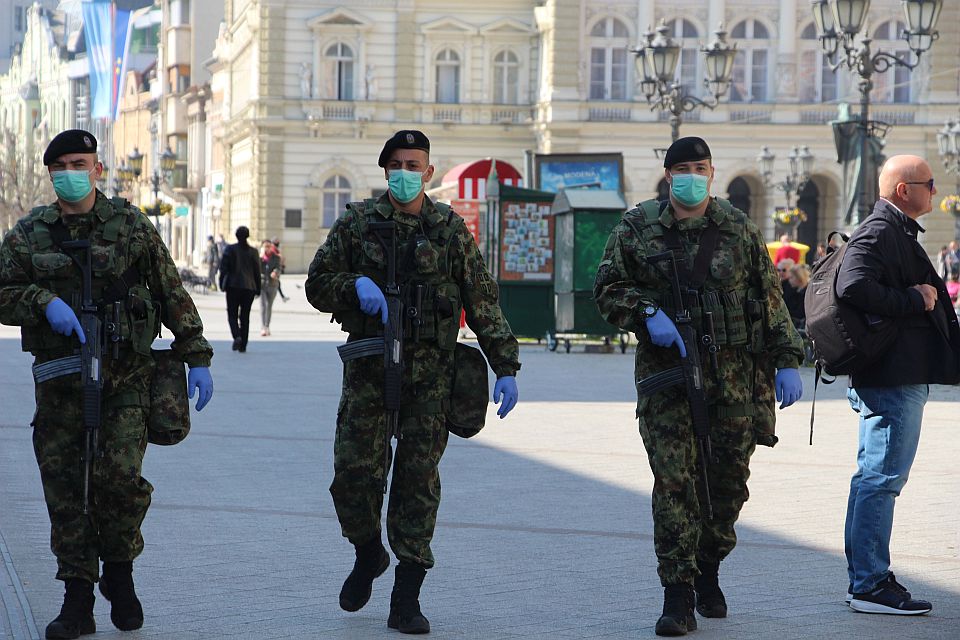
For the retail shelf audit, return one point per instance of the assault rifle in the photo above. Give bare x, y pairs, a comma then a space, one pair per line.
689, 373
91, 379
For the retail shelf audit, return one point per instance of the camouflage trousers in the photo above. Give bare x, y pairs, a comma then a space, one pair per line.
682, 535
358, 453
118, 495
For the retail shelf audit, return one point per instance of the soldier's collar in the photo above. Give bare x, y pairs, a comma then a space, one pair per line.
713, 212
428, 211
102, 207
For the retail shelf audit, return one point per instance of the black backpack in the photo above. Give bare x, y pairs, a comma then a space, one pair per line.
845, 339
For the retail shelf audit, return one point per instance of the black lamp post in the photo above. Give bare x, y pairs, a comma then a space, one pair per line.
656, 64
838, 23
801, 165
168, 161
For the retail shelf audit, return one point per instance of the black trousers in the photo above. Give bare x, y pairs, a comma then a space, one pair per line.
239, 302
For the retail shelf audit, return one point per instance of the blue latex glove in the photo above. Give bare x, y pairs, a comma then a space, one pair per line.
63, 320
789, 387
663, 332
200, 378
506, 388
371, 298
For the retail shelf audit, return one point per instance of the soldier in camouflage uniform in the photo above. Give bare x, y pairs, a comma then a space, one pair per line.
437, 251
755, 336
40, 289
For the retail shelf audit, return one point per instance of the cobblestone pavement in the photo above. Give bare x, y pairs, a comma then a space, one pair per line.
544, 529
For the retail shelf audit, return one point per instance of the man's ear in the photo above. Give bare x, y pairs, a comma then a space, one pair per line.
667, 177
428, 174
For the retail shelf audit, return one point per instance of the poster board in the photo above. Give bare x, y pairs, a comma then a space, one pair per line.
526, 241
469, 210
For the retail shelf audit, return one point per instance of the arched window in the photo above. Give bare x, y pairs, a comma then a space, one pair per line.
688, 71
609, 67
751, 67
738, 193
817, 83
506, 78
808, 201
895, 84
336, 195
338, 72
448, 76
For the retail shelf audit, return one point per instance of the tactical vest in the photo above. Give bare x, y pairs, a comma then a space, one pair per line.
55, 270
737, 310
424, 262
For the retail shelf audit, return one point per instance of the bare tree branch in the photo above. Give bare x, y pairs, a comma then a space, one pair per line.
24, 182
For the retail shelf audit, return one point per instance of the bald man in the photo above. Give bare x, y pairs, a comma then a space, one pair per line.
886, 274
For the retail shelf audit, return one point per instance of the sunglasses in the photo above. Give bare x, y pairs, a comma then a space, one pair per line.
929, 183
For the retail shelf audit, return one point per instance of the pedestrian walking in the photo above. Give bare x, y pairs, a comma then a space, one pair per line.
240, 279
283, 268
270, 279
440, 272
211, 258
100, 259
724, 269
887, 274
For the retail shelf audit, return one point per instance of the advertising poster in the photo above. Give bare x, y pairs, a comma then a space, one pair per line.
469, 210
579, 170
526, 241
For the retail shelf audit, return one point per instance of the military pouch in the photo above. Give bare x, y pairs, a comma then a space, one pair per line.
734, 318
755, 338
448, 316
471, 391
169, 420
142, 319
711, 304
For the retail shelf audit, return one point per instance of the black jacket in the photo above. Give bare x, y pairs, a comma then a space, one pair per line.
882, 263
240, 268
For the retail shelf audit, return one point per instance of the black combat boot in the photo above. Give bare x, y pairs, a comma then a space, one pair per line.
372, 560
405, 614
76, 614
710, 600
116, 585
677, 618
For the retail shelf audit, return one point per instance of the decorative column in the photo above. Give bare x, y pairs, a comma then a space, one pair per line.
786, 83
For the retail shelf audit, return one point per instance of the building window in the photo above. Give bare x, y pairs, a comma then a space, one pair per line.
179, 13
894, 85
609, 40
750, 67
688, 71
338, 64
18, 20
817, 83
506, 78
448, 77
292, 218
336, 195
738, 193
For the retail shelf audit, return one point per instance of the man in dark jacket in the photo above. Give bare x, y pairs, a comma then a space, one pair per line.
240, 278
887, 274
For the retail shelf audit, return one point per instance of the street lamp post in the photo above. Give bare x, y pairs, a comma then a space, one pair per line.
801, 165
656, 64
168, 161
838, 24
948, 144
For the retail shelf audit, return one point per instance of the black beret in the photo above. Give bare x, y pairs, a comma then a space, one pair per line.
70, 141
406, 139
686, 149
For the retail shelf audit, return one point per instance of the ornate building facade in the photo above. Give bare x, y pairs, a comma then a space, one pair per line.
312, 88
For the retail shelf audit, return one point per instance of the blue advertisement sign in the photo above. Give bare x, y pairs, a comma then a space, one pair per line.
581, 170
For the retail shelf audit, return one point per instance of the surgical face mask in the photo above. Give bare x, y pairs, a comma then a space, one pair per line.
72, 186
405, 185
689, 189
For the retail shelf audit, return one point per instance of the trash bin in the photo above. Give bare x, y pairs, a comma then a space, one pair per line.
584, 219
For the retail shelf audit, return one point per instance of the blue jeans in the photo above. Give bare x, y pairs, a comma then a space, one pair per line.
890, 420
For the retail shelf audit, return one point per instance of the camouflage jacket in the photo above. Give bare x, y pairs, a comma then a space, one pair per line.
742, 283
29, 275
346, 255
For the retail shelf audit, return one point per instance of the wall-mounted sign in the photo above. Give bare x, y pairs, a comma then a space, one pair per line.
553, 172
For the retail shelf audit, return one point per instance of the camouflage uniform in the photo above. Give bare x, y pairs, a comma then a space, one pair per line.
458, 278
755, 335
32, 272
